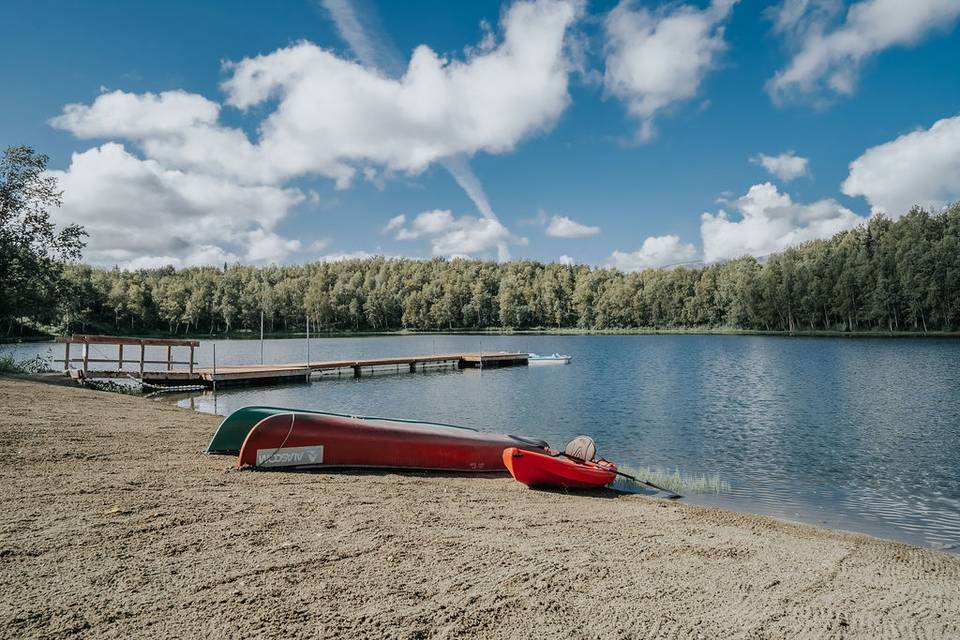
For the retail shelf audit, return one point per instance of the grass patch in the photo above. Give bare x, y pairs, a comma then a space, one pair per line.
38, 364
676, 481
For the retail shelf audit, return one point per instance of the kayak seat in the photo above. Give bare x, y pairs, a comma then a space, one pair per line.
581, 447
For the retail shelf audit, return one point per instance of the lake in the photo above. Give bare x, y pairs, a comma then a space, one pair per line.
856, 434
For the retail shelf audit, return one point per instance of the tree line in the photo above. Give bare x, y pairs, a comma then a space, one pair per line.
886, 275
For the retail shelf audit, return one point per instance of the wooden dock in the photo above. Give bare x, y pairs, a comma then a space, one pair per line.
237, 375
234, 375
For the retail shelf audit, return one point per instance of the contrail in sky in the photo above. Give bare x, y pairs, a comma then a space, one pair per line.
368, 41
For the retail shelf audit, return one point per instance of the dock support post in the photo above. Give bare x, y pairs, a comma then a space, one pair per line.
413, 367
119, 357
143, 350
308, 344
356, 370
86, 358
214, 377
169, 357
191, 360
261, 337
66, 355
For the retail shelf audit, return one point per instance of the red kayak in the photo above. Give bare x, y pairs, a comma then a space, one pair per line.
302, 440
540, 469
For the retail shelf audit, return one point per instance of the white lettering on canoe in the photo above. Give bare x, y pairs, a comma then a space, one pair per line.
290, 456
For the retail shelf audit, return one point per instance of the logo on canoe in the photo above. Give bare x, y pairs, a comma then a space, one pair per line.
290, 456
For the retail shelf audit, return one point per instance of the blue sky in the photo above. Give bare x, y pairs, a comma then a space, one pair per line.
567, 170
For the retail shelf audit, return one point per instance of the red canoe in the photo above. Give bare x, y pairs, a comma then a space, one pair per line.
538, 469
300, 440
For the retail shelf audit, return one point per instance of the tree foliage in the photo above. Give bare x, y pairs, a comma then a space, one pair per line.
32, 250
886, 275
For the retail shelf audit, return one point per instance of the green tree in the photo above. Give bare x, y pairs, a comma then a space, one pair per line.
32, 250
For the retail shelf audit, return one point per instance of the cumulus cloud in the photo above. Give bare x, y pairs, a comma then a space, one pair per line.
138, 212
656, 251
455, 237
566, 260
786, 166
334, 113
918, 168
657, 58
331, 117
395, 223
769, 222
828, 56
266, 246
564, 227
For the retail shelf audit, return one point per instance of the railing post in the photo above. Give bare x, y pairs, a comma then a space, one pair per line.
169, 357
86, 358
120, 357
142, 357
191, 360
66, 355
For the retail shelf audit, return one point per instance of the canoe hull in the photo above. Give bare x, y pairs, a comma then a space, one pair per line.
231, 433
537, 469
316, 441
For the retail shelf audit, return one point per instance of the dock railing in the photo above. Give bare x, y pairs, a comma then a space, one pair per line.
87, 341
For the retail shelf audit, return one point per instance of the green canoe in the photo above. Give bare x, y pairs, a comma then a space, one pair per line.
234, 429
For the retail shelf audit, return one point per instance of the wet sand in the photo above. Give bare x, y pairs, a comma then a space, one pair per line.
114, 524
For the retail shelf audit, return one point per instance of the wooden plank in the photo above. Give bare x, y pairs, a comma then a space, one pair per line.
115, 361
150, 342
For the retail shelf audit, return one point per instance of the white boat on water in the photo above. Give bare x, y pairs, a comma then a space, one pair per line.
554, 359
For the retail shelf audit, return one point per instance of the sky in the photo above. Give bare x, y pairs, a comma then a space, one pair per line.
625, 134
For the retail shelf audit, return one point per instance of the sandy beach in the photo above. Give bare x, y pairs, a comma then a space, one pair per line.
114, 524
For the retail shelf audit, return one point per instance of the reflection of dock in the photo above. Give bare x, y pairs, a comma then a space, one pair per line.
255, 373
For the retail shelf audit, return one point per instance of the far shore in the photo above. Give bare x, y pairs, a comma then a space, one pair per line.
638, 331
114, 524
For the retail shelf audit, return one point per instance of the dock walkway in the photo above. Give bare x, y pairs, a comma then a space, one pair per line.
270, 373
228, 375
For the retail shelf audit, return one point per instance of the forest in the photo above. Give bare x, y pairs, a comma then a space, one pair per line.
887, 275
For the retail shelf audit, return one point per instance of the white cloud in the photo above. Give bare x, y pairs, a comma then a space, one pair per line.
266, 246
657, 58
656, 251
564, 227
454, 237
334, 118
394, 223
770, 222
786, 166
566, 260
829, 57
119, 114
918, 168
137, 210
334, 113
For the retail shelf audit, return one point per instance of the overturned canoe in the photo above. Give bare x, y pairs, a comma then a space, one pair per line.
539, 469
303, 440
229, 436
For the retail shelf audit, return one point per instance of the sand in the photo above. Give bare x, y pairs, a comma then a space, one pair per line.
113, 524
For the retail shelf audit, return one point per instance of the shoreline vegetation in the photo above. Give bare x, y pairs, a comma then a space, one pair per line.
139, 523
886, 277
635, 331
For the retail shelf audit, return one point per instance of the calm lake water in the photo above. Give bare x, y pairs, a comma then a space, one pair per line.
856, 434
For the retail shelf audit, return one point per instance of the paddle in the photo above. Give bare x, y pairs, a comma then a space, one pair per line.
670, 494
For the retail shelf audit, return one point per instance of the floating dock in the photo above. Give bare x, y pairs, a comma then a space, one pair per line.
238, 375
